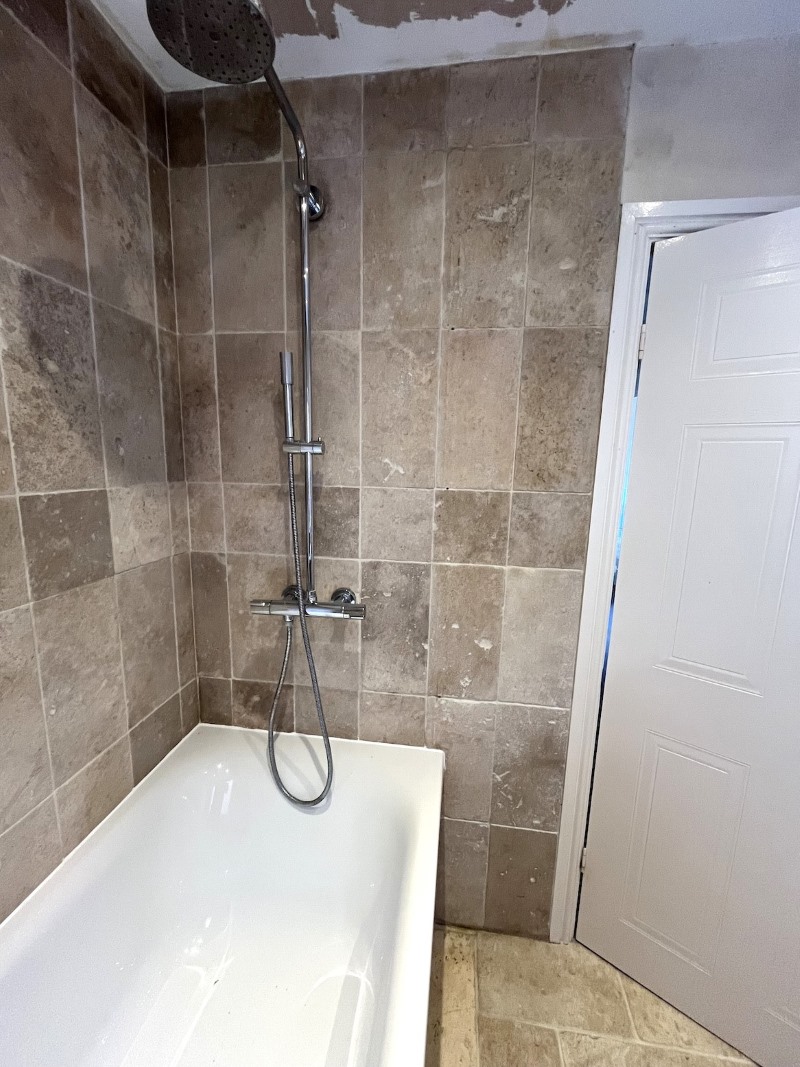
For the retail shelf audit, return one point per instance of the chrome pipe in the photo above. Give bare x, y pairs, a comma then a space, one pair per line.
290, 609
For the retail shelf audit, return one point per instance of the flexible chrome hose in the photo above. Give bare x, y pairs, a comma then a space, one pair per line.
312, 670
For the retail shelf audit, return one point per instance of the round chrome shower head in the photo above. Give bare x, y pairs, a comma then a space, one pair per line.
228, 41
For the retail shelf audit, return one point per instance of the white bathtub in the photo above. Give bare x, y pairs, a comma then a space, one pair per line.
206, 921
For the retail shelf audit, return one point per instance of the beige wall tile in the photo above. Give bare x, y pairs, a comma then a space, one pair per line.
243, 124
85, 800
67, 540
40, 224
106, 68
492, 103
79, 656
251, 422
465, 733
155, 736
189, 207
476, 439
336, 518
396, 524
461, 881
584, 94
257, 640
140, 525
51, 384
399, 382
574, 230
13, 586
215, 700
528, 774
210, 596
246, 207
184, 618
147, 629
486, 236
171, 405
257, 518
29, 851
340, 707
466, 623
470, 527
404, 110
336, 407
252, 704
394, 653
329, 110
403, 222
519, 883
206, 522
163, 264
505, 1043
559, 409
199, 408
25, 780
540, 635
392, 718
549, 530
186, 129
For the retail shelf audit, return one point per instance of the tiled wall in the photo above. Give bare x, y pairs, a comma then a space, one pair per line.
97, 668
461, 292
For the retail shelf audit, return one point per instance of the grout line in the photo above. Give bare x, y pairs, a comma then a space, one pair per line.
561, 1057
360, 653
627, 1004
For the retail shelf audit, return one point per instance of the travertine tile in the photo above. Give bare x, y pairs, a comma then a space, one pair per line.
171, 405
50, 379
486, 236
452, 1037
504, 1043
147, 628
340, 707
335, 641
179, 516
329, 110
29, 851
243, 124
584, 94
555, 985
492, 103
210, 593
404, 110
130, 397
40, 203
461, 880
13, 587
257, 518
67, 540
206, 521
519, 883
574, 231
396, 524
529, 755
585, 1050
465, 732
140, 525
246, 202
215, 700
117, 210
186, 130
199, 408
189, 209
336, 519
252, 704
163, 264
392, 718
190, 706
25, 781
540, 635
470, 527
184, 619
559, 409
155, 119
476, 440
79, 657
85, 800
336, 408
250, 407
403, 221
549, 530
394, 653
466, 623
399, 384
257, 640
47, 21
105, 66
155, 736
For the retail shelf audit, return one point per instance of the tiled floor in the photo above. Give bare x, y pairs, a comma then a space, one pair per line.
500, 1001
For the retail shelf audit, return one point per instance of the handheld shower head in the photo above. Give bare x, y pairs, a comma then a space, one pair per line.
227, 41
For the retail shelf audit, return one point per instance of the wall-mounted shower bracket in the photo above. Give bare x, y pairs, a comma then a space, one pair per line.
303, 448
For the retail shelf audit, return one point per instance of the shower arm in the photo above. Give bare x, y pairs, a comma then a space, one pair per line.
310, 207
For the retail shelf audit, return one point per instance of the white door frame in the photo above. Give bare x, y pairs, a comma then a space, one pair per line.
641, 224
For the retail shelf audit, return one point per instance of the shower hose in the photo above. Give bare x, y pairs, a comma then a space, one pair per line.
312, 670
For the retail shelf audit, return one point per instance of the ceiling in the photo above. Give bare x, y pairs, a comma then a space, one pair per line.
325, 37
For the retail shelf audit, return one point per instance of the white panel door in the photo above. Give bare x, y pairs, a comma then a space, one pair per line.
692, 881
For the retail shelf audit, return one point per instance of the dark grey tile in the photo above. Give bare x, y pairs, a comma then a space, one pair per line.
210, 593
470, 527
243, 124
155, 736
51, 383
549, 530
336, 519
252, 705
140, 525
47, 21
206, 517
466, 624
186, 131
179, 516
461, 881
171, 405
29, 851
256, 645
394, 654
199, 408
335, 642
130, 397
155, 119
529, 756
329, 110
584, 94
26, 780
339, 705
117, 210
257, 518
215, 700
396, 524
40, 201
393, 718
6, 466
147, 628
190, 706
184, 616
465, 733
85, 800
519, 885
13, 586
163, 263
492, 103
190, 243
67, 540
404, 110
337, 409
250, 407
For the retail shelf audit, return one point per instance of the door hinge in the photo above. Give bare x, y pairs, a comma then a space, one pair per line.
583, 862
642, 337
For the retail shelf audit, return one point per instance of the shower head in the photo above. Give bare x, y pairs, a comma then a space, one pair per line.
227, 41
